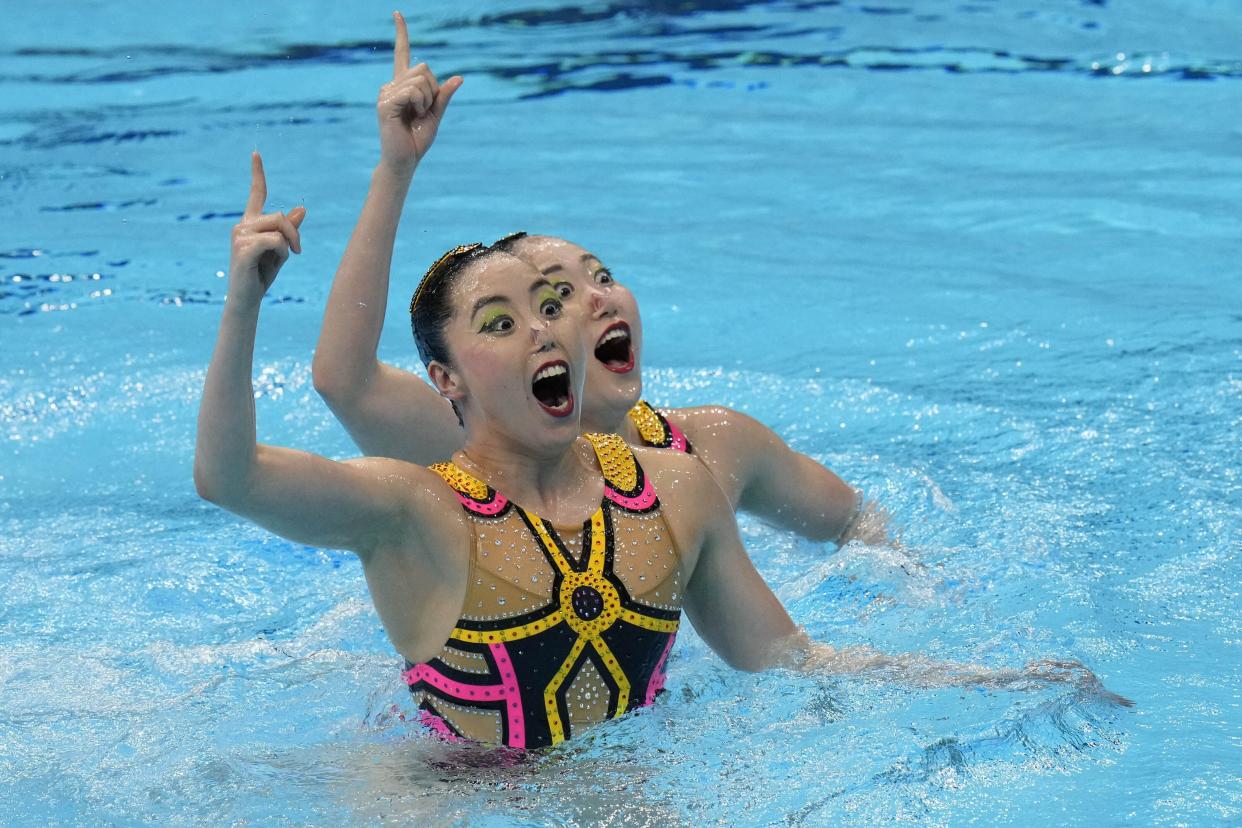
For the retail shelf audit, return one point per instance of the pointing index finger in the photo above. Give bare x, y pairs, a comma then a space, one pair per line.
400, 51
258, 187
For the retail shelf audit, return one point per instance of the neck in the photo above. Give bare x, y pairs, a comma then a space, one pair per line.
611, 420
547, 480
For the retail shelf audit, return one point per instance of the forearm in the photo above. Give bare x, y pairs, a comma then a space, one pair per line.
794, 492
345, 357
913, 670
225, 452
800, 653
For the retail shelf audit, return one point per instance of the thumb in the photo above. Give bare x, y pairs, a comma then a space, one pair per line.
296, 215
447, 90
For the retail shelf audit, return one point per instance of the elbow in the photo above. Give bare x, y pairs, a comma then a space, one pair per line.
333, 385
204, 484
748, 664
215, 485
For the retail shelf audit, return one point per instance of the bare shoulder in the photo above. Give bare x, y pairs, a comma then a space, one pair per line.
674, 466
707, 421
732, 445
682, 482
433, 515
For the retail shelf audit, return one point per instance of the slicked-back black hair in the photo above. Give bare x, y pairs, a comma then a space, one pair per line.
431, 305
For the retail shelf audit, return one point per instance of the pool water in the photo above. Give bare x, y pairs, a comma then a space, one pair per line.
981, 258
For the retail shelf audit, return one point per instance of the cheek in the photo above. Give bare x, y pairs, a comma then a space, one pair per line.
486, 366
569, 332
576, 308
629, 309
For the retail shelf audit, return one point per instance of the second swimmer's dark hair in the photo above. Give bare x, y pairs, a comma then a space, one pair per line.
509, 242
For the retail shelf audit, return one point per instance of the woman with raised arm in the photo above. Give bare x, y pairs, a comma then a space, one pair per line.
392, 413
535, 583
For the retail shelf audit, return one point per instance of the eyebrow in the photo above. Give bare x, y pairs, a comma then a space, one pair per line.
550, 269
487, 300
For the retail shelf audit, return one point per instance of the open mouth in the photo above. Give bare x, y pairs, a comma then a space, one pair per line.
615, 349
551, 389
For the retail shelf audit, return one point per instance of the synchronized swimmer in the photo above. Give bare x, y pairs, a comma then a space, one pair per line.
383, 407
529, 539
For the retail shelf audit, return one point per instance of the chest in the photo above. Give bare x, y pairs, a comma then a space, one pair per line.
520, 564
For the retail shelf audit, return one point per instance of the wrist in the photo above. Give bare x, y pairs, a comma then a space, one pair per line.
395, 171
242, 303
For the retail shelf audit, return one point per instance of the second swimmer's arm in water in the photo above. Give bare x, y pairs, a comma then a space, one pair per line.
765, 477
734, 611
380, 405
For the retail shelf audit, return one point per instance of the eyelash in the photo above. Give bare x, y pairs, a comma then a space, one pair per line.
493, 325
604, 272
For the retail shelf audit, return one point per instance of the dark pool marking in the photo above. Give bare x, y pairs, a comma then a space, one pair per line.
39, 252
183, 296
212, 215
574, 15
48, 131
560, 76
25, 294
561, 65
19, 290
100, 205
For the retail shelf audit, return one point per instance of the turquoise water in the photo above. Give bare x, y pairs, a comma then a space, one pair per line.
981, 258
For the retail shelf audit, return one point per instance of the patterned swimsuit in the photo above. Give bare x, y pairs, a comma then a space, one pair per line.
656, 430
561, 627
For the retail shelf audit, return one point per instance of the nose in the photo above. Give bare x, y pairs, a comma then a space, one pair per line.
541, 335
601, 305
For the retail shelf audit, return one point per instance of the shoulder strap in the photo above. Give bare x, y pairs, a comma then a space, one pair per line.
625, 484
476, 497
656, 430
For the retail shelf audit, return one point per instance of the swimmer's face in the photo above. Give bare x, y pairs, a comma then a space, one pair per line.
608, 315
517, 359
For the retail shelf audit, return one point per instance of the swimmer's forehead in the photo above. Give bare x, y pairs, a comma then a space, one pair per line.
496, 278
557, 257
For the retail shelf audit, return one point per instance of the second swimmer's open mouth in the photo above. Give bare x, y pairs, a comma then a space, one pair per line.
615, 349
551, 389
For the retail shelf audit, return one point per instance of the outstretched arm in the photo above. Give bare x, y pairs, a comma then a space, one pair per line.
735, 612
915, 670
298, 495
388, 412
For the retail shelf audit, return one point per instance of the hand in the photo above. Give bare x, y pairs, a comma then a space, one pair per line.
1074, 673
410, 106
261, 242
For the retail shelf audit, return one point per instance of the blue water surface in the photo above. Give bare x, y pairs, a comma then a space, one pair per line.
979, 257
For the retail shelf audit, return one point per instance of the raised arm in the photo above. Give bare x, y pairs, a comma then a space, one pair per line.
765, 477
388, 412
358, 506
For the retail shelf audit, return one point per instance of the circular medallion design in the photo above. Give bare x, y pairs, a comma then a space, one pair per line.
587, 602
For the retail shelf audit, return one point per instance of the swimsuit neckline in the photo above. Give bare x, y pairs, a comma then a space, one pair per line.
625, 484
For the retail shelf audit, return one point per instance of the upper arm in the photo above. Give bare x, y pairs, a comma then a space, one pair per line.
358, 505
727, 601
773, 482
396, 414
